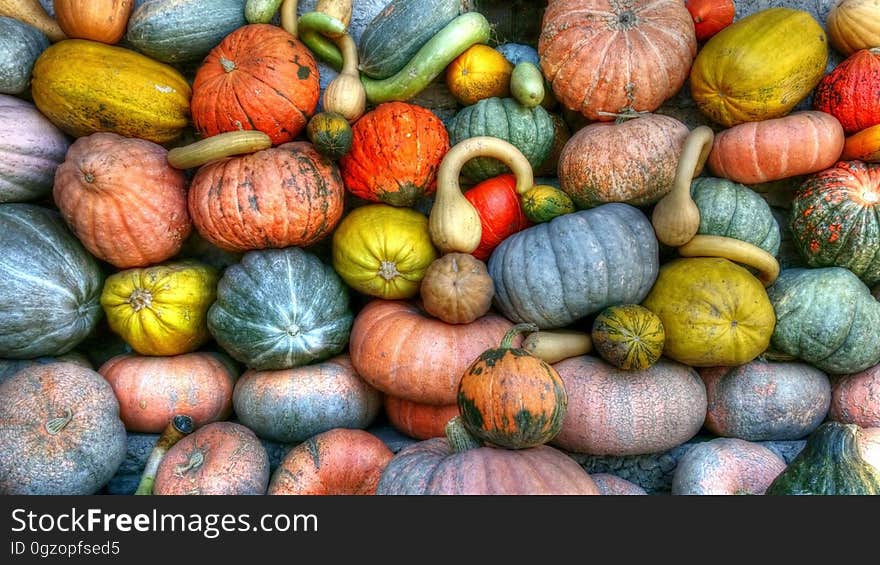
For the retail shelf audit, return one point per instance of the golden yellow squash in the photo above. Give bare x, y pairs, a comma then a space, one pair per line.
161, 310
714, 312
84, 87
383, 251
759, 67
480, 72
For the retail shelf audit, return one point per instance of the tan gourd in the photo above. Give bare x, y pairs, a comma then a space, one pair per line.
32, 13
218, 146
289, 22
676, 217
345, 94
734, 250
553, 346
454, 223
339, 9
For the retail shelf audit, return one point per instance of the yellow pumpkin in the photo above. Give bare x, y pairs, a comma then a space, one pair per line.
714, 312
759, 67
383, 251
161, 310
85, 87
479, 72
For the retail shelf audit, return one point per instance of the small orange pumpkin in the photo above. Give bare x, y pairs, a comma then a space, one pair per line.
457, 288
863, 146
418, 420
98, 20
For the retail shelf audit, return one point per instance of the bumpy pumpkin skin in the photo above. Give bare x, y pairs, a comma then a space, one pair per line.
855, 398
653, 44
734, 210
713, 310
292, 405
161, 310
612, 485
396, 150
222, 458
726, 466
457, 288
60, 431
336, 462
289, 195
849, 91
418, 420
259, 77
628, 336
763, 401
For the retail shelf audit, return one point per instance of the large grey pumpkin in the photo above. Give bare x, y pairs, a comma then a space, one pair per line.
49, 284
20, 45
554, 273
734, 210
280, 308
826, 317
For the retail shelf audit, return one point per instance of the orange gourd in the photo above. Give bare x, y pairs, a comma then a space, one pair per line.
98, 20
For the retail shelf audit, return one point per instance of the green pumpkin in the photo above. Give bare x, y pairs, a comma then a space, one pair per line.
279, 309
543, 202
734, 210
830, 464
49, 284
628, 336
530, 130
826, 317
20, 45
330, 133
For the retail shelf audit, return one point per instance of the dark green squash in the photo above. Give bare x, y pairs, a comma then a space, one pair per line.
830, 464
49, 284
826, 317
531, 130
330, 133
734, 210
20, 45
279, 309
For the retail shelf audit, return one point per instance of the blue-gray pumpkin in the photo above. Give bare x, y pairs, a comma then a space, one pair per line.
734, 210
20, 45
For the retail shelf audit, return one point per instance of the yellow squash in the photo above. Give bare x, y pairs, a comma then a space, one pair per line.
480, 72
84, 87
383, 251
714, 312
759, 67
161, 310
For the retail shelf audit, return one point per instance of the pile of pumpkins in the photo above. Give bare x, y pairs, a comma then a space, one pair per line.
514, 231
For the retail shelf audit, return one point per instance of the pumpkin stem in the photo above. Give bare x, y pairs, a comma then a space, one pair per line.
388, 270
179, 426
55, 425
227, 65
140, 299
458, 436
507, 340
624, 115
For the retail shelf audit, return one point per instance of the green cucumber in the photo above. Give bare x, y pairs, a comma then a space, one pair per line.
527, 84
261, 11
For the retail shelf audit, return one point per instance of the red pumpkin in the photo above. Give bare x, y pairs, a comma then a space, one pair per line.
123, 200
417, 420
259, 77
395, 152
500, 212
606, 56
710, 16
855, 398
851, 91
285, 196
336, 462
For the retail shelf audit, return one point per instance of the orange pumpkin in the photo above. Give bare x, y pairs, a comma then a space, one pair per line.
457, 288
850, 91
285, 196
604, 56
336, 462
863, 146
417, 420
395, 152
122, 199
98, 20
259, 77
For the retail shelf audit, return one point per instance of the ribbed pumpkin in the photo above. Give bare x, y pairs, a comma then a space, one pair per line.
161, 310
259, 77
30, 151
416, 419
854, 25
98, 20
730, 209
60, 431
764, 401
292, 405
459, 465
20, 45
554, 273
51, 285
628, 336
110, 89
336, 462
617, 412
480, 72
330, 133
726, 466
182, 31
759, 67
221, 458
123, 200
511, 398
834, 219
849, 91
826, 317
383, 251
457, 288
152, 390
855, 398
633, 161
289, 195
713, 310
402, 351
652, 42
309, 318
396, 150
528, 129
501, 214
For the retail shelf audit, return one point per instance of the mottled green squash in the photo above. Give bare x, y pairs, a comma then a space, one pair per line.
628, 336
734, 210
543, 202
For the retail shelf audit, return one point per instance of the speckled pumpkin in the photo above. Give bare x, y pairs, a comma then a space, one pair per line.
726, 466
628, 336
855, 398
330, 133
